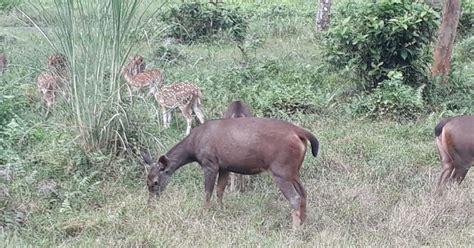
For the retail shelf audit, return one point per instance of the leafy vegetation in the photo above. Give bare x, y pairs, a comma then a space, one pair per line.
63, 183
375, 38
193, 21
393, 99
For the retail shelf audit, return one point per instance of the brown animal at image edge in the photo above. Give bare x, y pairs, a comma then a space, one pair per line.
243, 145
455, 142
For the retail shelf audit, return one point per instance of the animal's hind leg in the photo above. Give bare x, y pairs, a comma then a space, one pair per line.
198, 112
299, 187
459, 174
186, 110
447, 171
210, 174
287, 187
166, 113
221, 184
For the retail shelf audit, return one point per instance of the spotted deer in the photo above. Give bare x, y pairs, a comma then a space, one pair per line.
140, 78
3, 63
237, 109
455, 142
49, 82
183, 95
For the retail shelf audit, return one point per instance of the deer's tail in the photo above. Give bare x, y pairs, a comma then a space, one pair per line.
312, 139
439, 128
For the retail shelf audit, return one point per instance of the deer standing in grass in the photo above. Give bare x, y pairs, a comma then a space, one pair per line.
237, 109
455, 142
140, 78
243, 145
183, 95
3, 63
49, 82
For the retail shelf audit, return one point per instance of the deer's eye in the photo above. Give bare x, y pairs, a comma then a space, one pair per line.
155, 183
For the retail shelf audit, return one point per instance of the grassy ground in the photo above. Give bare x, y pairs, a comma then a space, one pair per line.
371, 185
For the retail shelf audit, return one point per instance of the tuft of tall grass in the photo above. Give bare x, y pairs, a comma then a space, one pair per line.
96, 38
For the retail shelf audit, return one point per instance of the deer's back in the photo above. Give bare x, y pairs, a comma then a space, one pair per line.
254, 142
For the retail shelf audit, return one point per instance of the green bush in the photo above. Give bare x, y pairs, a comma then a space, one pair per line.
375, 38
392, 98
6, 5
193, 21
466, 21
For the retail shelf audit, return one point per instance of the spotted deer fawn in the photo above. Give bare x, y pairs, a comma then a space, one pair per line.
237, 109
3, 63
50, 81
455, 142
140, 78
183, 95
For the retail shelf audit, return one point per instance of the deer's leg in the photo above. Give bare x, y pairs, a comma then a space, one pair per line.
447, 164
166, 120
210, 174
302, 192
221, 184
198, 112
287, 187
459, 174
448, 169
232, 181
242, 180
187, 113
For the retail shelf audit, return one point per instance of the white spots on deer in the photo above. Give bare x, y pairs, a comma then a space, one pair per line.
50, 82
183, 95
140, 78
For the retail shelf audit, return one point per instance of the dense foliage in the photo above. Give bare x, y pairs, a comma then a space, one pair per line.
193, 21
377, 37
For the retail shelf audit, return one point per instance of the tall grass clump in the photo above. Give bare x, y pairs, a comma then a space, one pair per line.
95, 36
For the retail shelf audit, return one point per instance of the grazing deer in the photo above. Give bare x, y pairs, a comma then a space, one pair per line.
50, 81
237, 109
139, 78
243, 145
455, 142
183, 95
3, 63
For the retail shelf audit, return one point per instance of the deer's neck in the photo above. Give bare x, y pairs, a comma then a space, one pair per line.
181, 154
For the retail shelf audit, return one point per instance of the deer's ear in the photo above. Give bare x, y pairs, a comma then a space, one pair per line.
164, 161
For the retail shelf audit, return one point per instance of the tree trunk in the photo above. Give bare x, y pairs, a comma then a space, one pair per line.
446, 35
323, 15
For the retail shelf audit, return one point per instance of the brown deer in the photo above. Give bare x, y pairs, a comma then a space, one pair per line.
237, 109
183, 95
50, 81
3, 63
243, 145
455, 142
139, 78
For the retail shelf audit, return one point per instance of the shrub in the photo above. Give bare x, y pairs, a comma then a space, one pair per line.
466, 21
193, 21
392, 98
7, 5
378, 37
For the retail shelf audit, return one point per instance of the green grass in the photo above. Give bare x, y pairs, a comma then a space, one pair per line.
371, 185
